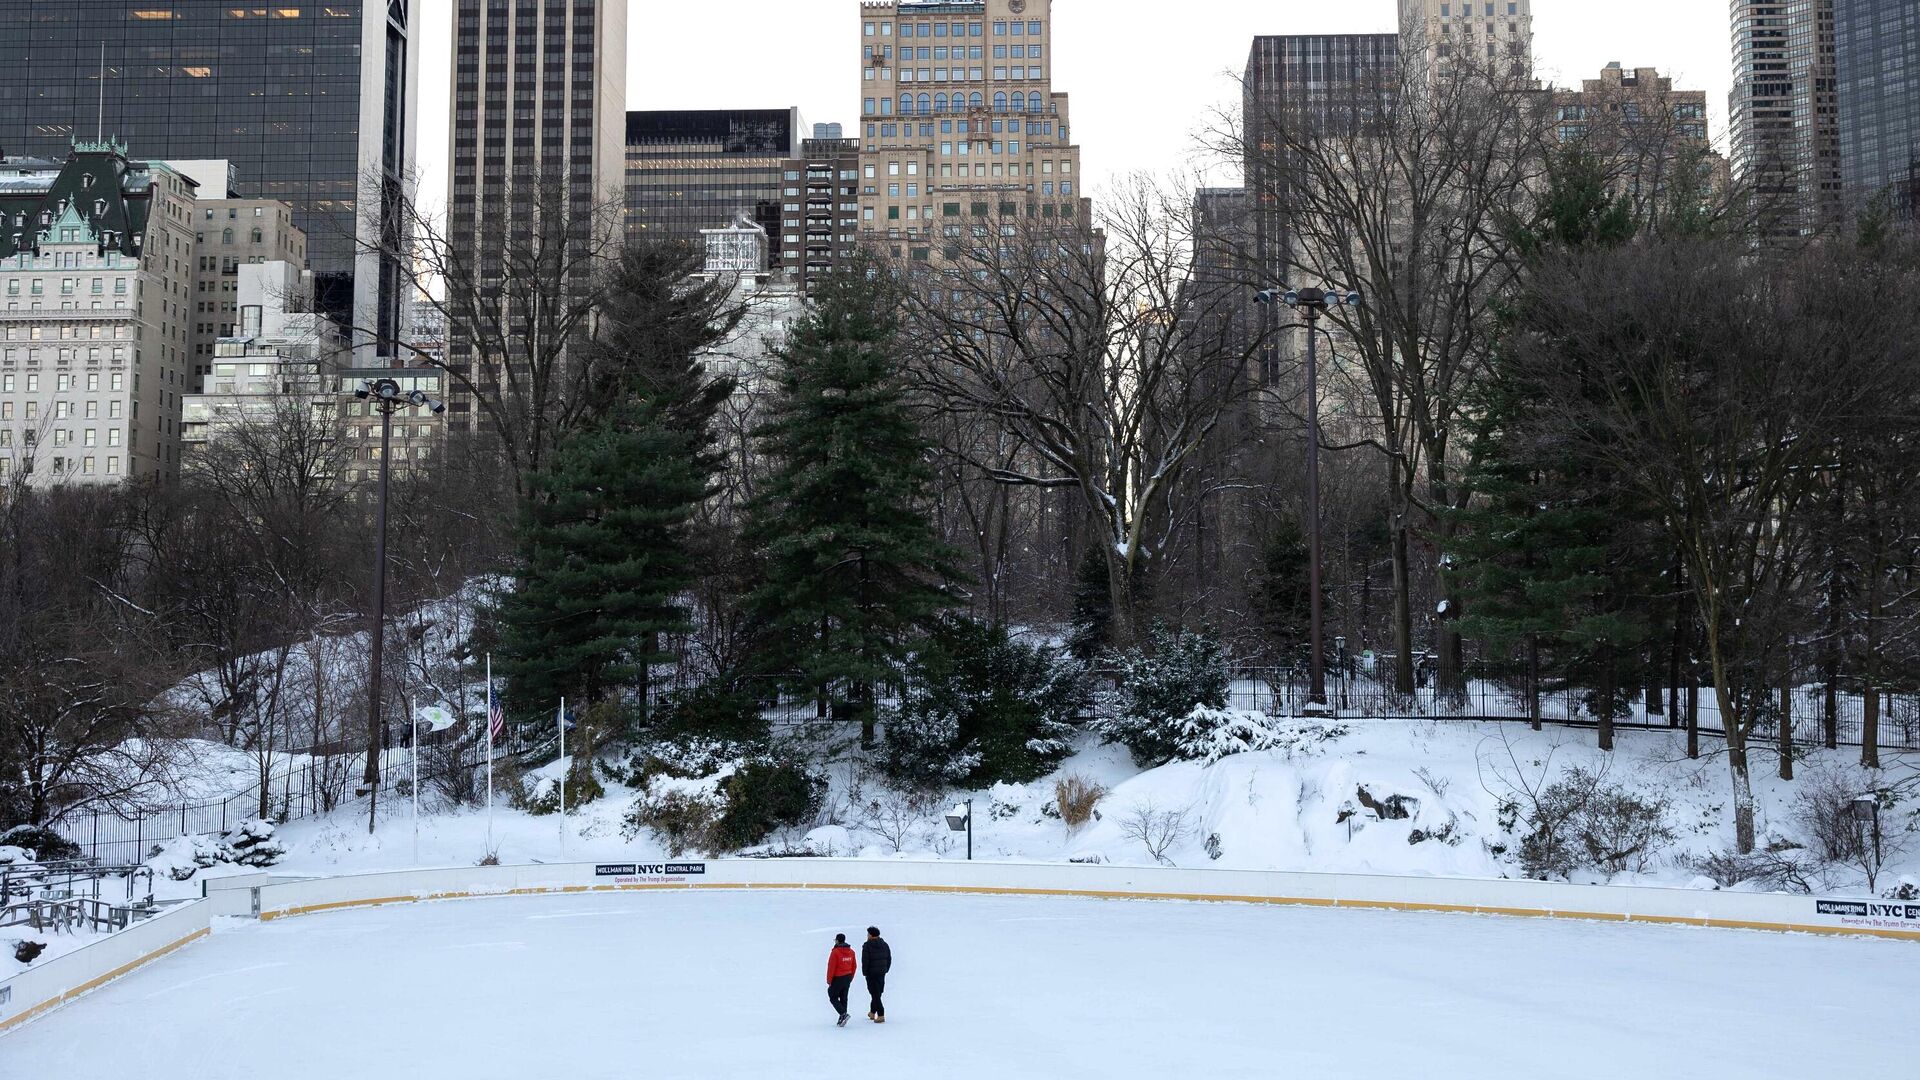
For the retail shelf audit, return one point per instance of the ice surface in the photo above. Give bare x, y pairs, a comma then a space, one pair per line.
723, 984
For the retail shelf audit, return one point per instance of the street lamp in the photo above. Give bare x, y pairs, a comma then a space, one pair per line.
1866, 814
961, 817
1313, 303
386, 396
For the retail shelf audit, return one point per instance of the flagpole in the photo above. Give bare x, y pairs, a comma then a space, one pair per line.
489, 753
563, 773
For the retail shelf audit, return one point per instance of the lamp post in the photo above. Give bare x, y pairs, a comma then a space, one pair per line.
385, 396
961, 817
1866, 813
1313, 303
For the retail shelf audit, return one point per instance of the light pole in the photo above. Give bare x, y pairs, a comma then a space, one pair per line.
961, 817
1313, 303
386, 396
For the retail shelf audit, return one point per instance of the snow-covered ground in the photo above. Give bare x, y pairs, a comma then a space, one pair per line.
722, 985
1250, 811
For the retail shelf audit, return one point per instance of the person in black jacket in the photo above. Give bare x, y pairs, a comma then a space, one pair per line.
875, 959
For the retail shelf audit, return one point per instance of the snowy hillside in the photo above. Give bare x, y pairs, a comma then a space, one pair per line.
1395, 797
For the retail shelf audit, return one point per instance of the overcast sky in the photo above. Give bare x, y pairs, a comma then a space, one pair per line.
1143, 75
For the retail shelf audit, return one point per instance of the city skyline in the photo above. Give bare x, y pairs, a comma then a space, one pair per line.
1124, 122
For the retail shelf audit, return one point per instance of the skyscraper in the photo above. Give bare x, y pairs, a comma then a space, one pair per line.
539, 94
694, 169
820, 227
1877, 91
959, 121
1785, 135
1487, 32
1325, 81
307, 101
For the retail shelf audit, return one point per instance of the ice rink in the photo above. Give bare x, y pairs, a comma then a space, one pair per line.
723, 984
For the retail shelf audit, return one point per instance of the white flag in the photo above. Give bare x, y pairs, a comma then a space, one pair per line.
436, 717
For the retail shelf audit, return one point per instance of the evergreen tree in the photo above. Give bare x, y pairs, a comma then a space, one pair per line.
1283, 599
604, 563
1092, 618
852, 569
1549, 556
604, 534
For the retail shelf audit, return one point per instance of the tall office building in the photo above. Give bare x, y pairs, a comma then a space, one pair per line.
539, 90
820, 226
959, 121
693, 169
1877, 90
229, 234
1783, 107
310, 103
1487, 32
96, 260
1326, 82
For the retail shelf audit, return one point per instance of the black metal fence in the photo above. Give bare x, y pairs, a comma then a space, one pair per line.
1496, 695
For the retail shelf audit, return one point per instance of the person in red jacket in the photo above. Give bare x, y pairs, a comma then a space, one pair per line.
841, 966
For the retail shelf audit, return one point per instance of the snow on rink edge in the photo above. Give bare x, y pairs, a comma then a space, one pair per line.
674, 981
271, 897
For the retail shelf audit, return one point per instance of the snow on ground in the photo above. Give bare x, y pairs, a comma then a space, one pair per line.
1263, 811
731, 984
56, 944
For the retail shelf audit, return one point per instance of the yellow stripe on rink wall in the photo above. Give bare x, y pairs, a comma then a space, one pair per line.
1113, 894
101, 980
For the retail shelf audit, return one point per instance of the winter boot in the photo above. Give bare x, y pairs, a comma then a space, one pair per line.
879, 1019
843, 1020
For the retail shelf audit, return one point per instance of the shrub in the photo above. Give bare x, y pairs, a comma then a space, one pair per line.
582, 788
688, 757
1075, 797
252, 843
1208, 734
46, 845
714, 712
683, 820
899, 816
1582, 821
765, 795
1159, 831
1161, 683
981, 708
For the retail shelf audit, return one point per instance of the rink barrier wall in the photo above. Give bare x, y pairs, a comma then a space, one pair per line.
1686, 907
64, 978
49, 985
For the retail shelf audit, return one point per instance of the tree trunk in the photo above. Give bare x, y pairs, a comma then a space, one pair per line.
1533, 680
1402, 612
1609, 692
1870, 673
1786, 724
1743, 836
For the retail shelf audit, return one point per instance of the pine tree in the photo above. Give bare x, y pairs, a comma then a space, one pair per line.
604, 562
604, 536
1548, 556
852, 570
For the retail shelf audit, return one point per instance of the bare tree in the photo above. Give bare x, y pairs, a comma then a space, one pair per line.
1709, 384
1157, 830
1084, 343
1400, 185
519, 275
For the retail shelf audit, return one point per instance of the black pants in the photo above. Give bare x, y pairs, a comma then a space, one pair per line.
877, 985
837, 993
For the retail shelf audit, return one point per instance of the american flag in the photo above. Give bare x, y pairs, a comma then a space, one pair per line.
496, 723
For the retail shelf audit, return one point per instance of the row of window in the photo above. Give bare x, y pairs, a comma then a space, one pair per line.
954, 30
84, 466
1466, 10
934, 104
69, 332
63, 382
958, 52
61, 437
1000, 74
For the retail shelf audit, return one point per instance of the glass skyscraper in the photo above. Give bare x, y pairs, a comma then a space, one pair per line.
305, 100
1877, 64
689, 170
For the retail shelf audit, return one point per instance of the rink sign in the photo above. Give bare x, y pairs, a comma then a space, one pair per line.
1873, 914
649, 873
